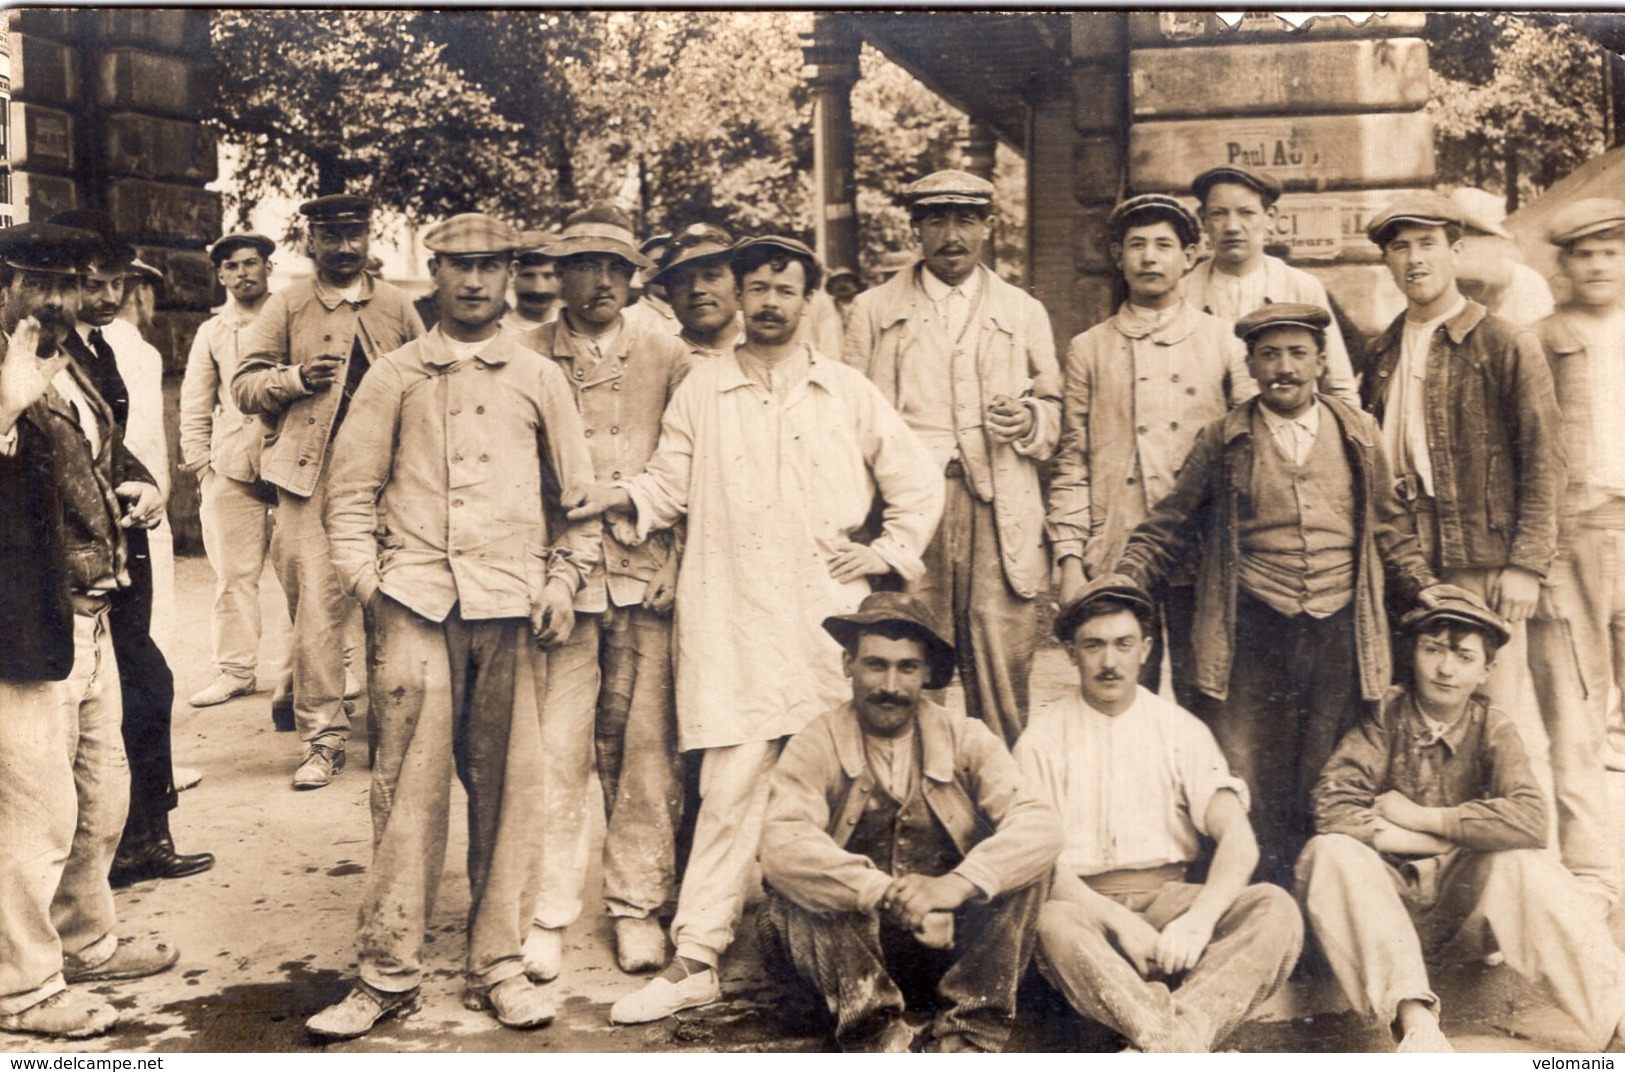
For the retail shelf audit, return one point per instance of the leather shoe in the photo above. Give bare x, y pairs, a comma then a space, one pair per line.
156, 859
515, 1002
135, 958
68, 1014
322, 762
360, 1011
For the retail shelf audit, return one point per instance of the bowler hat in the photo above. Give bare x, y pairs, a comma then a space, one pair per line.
469, 233
1457, 607
601, 227
1147, 208
224, 246
1428, 209
1584, 218
897, 608
698, 243
47, 247
338, 208
1267, 186
1282, 315
112, 252
1114, 587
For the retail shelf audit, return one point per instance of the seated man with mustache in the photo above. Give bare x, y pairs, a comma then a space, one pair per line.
1291, 501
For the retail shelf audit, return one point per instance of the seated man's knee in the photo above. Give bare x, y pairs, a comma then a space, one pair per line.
1061, 924
1330, 852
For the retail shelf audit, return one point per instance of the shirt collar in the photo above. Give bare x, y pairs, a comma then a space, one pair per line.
331, 297
733, 373
1429, 326
1308, 420
936, 741
938, 291
1417, 725
437, 350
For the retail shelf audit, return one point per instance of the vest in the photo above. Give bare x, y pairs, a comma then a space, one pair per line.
903, 838
1297, 542
951, 397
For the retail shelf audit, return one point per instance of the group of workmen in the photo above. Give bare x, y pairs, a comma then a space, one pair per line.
727, 546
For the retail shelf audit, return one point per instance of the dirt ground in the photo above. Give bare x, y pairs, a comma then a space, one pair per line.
266, 937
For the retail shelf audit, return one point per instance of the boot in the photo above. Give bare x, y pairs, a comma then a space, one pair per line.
148, 852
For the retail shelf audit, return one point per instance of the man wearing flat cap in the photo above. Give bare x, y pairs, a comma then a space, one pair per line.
1238, 212
902, 852
461, 450
1302, 546
69, 491
610, 683
535, 284
969, 361
1172, 965
302, 359
221, 446
1138, 388
1429, 849
700, 284
1470, 425
774, 454
1576, 655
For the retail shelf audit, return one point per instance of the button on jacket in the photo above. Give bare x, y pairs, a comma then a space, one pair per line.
621, 398
1008, 836
436, 492
1495, 436
214, 432
309, 320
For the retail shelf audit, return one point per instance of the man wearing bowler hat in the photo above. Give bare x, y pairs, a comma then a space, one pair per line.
901, 846
1174, 966
69, 491
302, 360
1302, 544
1238, 212
441, 527
610, 683
774, 454
969, 361
1139, 386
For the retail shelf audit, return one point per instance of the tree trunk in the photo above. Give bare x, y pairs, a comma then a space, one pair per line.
1510, 158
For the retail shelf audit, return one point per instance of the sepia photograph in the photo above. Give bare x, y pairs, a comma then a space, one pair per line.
775, 531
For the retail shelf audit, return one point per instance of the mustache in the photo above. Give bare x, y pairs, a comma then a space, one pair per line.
767, 316
1109, 675
1287, 380
895, 699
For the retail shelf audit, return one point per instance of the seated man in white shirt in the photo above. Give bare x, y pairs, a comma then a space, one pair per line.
1172, 965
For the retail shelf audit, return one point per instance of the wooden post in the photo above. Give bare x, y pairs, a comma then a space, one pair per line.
830, 53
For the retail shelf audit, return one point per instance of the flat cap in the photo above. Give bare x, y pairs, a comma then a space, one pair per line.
47, 247
111, 250
338, 208
1283, 315
140, 269
1457, 607
1583, 218
470, 233
839, 273
601, 227
1147, 208
1268, 187
696, 243
534, 247
789, 245
1114, 587
950, 187
1428, 209
237, 240
897, 608
1481, 210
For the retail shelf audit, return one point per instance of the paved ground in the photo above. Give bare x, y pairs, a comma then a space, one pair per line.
265, 937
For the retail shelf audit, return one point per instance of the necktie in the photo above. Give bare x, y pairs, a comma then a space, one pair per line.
98, 344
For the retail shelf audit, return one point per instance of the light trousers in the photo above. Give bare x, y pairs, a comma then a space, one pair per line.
1379, 926
319, 607
461, 696
237, 527
64, 792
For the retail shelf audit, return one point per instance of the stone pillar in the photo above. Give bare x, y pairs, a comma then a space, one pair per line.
830, 53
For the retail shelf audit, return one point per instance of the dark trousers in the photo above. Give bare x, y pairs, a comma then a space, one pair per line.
863, 966
148, 693
1178, 603
1294, 690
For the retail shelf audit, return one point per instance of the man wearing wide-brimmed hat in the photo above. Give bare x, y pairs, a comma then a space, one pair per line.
302, 360
1139, 386
901, 843
700, 286
221, 446
969, 361
1139, 782
69, 492
442, 526
774, 455
610, 683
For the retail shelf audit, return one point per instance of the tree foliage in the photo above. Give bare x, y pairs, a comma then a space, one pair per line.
1517, 104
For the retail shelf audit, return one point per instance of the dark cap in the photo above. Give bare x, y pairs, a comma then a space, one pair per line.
1457, 606
1269, 189
839, 273
1148, 208
252, 239
815, 273
1112, 587
949, 187
47, 247
534, 247
111, 251
1584, 218
470, 233
338, 208
698, 243
601, 227
902, 609
1427, 209
1283, 315
655, 245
